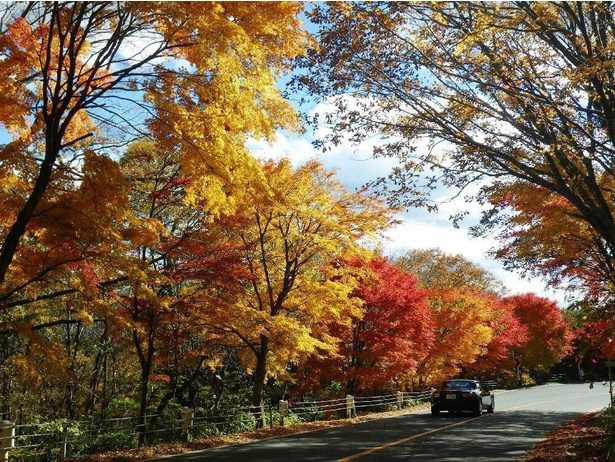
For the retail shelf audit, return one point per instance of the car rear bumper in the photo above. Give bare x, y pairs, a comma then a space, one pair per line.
454, 405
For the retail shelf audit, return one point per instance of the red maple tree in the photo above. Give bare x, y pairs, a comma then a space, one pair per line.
394, 331
549, 335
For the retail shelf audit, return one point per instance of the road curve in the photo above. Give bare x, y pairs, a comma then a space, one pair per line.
522, 418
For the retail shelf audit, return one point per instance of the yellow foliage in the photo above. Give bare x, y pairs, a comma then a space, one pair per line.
296, 235
207, 74
212, 86
44, 360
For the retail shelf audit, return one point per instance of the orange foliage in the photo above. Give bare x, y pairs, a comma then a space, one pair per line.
392, 332
462, 333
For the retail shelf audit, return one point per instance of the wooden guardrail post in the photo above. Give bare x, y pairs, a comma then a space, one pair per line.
7, 439
400, 400
350, 406
283, 409
187, 421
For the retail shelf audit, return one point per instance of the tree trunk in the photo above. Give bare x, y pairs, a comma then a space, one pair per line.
18, 228
142, 421
260, 373
146, 360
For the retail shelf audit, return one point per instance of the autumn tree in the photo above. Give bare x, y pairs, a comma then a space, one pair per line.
592, 344
291, 235
64, 257
499, 358
390, 335
462, 334
152, 303
539, 233
548, 334
467, 92
473, 331
79, 79
186, 267
435, 268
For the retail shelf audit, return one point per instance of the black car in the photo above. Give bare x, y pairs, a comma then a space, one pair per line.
462, 395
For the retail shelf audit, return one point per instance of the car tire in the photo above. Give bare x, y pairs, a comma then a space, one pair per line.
491, 408
435, 412
479, 408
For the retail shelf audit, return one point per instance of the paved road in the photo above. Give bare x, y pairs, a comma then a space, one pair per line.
522, 418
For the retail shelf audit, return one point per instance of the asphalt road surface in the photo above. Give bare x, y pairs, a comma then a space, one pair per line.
521, 419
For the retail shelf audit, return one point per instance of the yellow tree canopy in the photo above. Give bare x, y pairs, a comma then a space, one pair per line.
294, 237
83, 78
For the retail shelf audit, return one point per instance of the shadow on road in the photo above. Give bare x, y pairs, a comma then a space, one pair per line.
504, 436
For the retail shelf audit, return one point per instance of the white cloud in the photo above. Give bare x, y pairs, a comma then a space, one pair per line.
422, 233
298, 149
419, 229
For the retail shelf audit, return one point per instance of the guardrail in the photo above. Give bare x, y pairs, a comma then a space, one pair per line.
57, 441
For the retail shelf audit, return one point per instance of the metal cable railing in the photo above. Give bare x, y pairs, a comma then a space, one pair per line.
58, 440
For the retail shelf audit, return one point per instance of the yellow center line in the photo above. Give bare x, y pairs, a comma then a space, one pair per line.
405, 440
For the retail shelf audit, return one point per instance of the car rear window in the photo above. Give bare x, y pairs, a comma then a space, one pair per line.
457, 385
